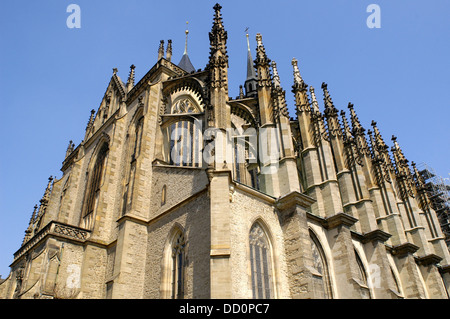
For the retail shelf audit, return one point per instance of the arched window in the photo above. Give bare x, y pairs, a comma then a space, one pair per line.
321, 277
261, 263
177, 266
94, 186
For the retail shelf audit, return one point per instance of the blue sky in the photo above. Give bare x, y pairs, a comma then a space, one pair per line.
52, 76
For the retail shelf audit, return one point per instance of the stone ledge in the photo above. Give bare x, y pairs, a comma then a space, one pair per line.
338, 220
294, 199
445, 269
375, 235
404, 249
430, 259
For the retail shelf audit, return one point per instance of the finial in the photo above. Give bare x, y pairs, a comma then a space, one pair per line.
357, 127
241, 92
169, 51
248, 41
259, 40
115, 71
34, 214
326, 97
131, 76
217, 17
187, 32
69, 148
46, 195
161, 49
315, 104
217, 7
297, 77
347, 131
91, 120
276, 77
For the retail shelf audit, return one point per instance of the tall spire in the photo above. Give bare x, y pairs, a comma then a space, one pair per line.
251, 81
185, 62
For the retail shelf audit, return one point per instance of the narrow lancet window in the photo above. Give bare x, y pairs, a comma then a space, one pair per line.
261, 263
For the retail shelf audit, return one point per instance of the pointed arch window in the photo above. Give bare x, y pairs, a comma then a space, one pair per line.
261, 263
95, 183
178, 265
321, 277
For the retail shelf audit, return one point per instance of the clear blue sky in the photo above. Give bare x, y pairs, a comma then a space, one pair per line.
52, 76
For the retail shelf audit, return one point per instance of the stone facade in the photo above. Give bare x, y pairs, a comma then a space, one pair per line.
158, 201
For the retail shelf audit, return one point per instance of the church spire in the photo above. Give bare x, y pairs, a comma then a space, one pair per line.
252, 80
185, 62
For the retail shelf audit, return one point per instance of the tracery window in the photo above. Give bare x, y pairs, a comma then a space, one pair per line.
94, 185
321, 278
183, 106
261, 263
178, 266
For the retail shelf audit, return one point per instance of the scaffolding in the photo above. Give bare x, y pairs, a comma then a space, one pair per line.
439, 194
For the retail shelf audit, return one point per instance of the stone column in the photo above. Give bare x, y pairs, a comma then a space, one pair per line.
220, 271
297, 244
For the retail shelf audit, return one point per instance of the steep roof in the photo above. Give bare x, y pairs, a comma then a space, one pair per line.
186, 64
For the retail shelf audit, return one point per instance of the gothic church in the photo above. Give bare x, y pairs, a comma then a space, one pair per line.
180, 191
